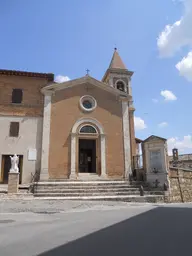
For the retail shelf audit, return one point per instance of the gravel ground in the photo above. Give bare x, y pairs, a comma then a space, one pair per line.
56, 206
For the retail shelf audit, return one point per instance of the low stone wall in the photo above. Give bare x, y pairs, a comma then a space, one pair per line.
180, 185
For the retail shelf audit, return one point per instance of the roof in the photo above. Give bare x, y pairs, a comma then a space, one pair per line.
48, 76
86, 79
138, 140
116, 61
154, 137
117, 66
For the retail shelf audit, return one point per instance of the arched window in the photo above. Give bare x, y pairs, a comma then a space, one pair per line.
87, 129
120, 86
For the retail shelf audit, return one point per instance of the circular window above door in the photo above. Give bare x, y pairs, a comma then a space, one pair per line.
88, 103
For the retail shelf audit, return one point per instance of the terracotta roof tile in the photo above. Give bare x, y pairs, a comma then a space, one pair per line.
48, 76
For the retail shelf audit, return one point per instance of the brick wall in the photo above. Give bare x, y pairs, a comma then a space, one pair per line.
65, 112
32, 104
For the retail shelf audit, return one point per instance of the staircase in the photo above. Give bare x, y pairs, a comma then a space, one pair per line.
97, 190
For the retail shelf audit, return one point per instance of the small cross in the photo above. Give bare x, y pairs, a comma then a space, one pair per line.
156, 183
87, 70
88, 88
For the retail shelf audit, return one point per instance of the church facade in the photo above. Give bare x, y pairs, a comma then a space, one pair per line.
82, 129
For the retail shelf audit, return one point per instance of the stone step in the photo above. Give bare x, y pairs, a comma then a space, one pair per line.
89, 183
51, 193
3, 191
83, 182
85, 189
93, 190
93, 182
125, 198
86, 186
64, 194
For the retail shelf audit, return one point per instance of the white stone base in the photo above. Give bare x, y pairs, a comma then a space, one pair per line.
161, 177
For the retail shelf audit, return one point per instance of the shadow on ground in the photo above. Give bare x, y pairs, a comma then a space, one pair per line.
161, 231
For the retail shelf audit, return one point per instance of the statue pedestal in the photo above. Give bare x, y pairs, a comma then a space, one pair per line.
13, 182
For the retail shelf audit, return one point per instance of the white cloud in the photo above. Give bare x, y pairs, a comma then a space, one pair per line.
61, 79
185, 67
139, 123
176, 35
163, 124
155, 100
168, 95
183, 145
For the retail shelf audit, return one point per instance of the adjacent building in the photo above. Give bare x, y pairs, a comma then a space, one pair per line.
21, 121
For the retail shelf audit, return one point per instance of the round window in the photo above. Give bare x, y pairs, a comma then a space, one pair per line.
88, 103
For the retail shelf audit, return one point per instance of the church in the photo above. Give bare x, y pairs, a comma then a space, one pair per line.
82, 129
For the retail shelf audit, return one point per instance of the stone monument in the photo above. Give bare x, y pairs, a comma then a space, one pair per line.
13, 180
156, 161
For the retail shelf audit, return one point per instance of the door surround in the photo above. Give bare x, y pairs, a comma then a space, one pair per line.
101, 142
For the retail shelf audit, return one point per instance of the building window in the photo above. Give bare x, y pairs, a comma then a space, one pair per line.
87, 129
120, 86
14, 129
17, 96
88, 103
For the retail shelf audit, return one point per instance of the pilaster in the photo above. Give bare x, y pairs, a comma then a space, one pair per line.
126, 138
46, 137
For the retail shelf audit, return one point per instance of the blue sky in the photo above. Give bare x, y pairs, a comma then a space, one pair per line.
67, 37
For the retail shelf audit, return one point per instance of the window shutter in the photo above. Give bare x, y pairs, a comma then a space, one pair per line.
14, 129
17, 96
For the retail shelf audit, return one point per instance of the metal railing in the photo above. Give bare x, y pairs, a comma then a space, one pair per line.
35, 177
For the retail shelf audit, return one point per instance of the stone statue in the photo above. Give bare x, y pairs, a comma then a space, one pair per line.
14, 163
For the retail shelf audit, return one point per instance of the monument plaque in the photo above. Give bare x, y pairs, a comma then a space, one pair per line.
155, 160
32, 154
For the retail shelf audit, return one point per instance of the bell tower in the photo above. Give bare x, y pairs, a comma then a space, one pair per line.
119, 77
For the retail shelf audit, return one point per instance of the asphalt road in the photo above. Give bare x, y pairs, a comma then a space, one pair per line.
105, 230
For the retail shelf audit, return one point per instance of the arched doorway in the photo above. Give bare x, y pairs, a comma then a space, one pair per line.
87, 148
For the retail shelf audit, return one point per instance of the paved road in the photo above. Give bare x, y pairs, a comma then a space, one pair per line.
73, 228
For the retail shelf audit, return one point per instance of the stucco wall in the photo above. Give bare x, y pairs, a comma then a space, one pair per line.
30, 136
